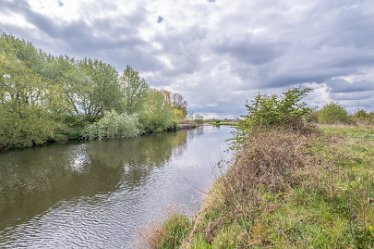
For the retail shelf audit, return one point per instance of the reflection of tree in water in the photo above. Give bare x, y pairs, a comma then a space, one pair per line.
138, 156
33, 180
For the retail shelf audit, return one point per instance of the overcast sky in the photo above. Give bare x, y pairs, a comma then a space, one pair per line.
216, 53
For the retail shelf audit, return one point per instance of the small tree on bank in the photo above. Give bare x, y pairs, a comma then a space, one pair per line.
264, 112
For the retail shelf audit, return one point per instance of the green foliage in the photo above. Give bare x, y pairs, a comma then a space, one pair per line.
57, 98
26, 116
361, 114
101, 88
362, 117
273, 111
333, 114
35, 127
134, 90
174, 230
312, 117
113, 125
157, 114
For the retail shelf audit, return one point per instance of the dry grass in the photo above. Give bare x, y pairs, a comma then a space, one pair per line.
166, 235
275, 161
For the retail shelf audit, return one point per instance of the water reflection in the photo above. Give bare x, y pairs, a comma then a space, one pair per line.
98, 194
31, 181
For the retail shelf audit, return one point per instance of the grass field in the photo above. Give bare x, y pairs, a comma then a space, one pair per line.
290, 191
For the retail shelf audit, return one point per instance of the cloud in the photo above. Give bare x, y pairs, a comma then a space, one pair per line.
218, 54
338, 85
60, 3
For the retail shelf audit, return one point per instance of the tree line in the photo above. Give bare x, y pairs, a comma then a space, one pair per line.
47, 98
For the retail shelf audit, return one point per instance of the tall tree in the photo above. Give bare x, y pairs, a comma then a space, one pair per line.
100, 88
25, 116
134, 90
157, 114
179, 103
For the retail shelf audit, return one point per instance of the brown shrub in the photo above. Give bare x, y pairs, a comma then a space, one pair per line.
271, 162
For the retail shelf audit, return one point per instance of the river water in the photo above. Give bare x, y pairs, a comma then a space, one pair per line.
101, 194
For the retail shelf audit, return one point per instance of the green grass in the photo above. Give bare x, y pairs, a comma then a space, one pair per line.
229, 123
332, 207
171, 233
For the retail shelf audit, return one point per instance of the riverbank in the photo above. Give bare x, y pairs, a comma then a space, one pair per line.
229, 123
75, 135
287, 190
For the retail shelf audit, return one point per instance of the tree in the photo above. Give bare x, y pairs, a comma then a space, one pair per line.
100, 89
25, 116
157, 114
333, 114
361, 116
133, 89
179, 103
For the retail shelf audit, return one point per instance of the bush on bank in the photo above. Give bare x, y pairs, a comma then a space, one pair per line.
113, 125
333, 114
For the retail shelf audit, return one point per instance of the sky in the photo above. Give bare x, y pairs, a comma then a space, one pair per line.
218, 54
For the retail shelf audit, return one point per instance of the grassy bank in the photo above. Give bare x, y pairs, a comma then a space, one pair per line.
229, 123
286, 190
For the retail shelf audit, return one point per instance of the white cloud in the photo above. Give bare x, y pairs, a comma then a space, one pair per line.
222, 52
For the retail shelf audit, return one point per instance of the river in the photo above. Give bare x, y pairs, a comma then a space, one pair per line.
101, 194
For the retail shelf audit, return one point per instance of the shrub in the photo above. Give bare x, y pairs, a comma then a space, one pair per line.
113, 125
362, 117
273, 111
333, 114
32, 127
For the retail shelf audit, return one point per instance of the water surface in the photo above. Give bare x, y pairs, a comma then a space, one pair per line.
100, 194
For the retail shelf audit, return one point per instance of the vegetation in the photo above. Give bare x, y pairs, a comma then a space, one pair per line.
113, 125
336, 114
290, 189
46, 98
274, 111
157, 114
224, 122
332, 114
362, 117
170, 235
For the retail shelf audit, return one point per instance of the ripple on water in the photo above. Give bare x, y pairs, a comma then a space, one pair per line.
108, 205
